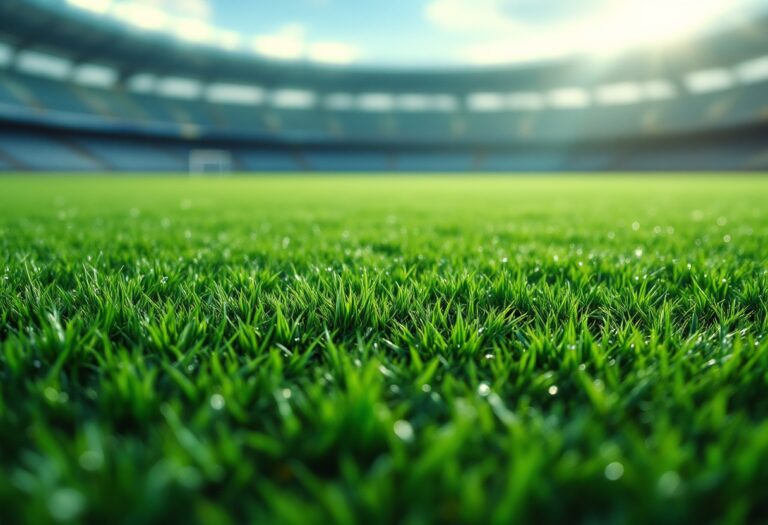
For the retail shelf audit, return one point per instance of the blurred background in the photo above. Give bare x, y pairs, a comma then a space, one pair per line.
399, 85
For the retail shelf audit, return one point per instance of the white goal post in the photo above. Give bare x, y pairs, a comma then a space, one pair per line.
208, 161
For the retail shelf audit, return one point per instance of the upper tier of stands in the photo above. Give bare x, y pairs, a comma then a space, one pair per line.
158, 104
33, 99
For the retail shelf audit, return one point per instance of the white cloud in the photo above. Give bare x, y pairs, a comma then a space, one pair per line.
290, 42
333, 52
200, 9
616, 25
470, 15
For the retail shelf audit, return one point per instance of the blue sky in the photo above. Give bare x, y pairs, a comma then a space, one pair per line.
434, 32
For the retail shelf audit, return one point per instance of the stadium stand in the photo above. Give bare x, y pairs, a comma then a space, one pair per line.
36, 151
160, 101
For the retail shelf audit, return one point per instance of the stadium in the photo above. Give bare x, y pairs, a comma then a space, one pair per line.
259, 276
98, 97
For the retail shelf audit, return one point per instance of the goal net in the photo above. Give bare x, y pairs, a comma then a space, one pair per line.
209, 161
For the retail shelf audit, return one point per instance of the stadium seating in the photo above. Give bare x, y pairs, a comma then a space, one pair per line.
435, 161
132, 155
523, 161
267, 160
298, 116
36, 151
347, 161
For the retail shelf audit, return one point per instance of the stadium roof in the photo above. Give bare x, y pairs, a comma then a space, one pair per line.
84, 36
422, 32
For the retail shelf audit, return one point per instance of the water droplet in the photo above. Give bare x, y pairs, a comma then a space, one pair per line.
669, 482
484, 389
91, 460
65, 504
614, 471
217, 401
552, 390
403, 430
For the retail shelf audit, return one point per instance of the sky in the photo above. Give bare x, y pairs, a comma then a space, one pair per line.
431, 32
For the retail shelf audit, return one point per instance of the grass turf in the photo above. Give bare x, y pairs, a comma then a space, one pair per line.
378, 350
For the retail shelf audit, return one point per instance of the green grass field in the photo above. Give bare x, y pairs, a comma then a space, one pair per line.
294, 350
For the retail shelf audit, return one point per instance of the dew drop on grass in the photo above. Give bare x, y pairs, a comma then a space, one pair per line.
552, 390
65, 504
668, 483
91, 460
403, 430
614, 471
484, 389
217, 401
51, 394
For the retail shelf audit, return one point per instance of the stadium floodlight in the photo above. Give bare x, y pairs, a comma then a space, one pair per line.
94, 75
376, 102
292, 98
234, 94
425, 102
619, 94
486, 101
709, 80
142, 83
99, 7
659, 90
178, 87
752, 71
339, 101
444, 103
569, 98
525, 101
43, 64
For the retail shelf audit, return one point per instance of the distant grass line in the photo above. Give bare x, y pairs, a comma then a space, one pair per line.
298, 350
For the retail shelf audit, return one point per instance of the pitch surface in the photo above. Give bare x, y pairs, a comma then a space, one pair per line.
379, 350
